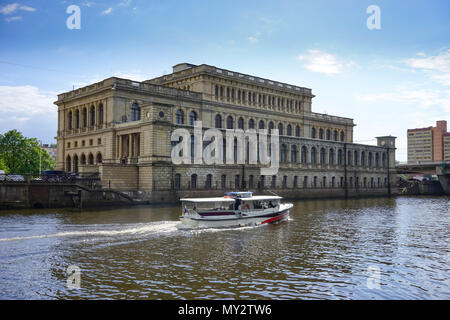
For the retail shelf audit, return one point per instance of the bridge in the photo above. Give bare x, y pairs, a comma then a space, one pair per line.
439, 168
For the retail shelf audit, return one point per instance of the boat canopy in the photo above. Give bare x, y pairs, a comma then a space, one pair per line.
259, 198
224, 199
207, 199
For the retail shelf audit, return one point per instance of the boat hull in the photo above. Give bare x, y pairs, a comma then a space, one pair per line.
240, 219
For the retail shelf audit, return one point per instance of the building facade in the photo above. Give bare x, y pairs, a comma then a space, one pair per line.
428, 144
121, 129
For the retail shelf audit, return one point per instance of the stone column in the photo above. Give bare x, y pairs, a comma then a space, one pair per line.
119, 155
130, 145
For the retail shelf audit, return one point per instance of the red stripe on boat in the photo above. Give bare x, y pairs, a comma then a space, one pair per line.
275, 218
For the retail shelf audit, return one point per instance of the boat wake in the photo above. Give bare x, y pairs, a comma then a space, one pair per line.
131, 230
135, 229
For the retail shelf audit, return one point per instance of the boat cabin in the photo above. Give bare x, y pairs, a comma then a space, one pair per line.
234, 201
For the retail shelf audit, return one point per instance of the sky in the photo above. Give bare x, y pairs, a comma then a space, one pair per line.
388, 79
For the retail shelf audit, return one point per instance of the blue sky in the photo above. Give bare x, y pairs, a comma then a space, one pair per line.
387, 80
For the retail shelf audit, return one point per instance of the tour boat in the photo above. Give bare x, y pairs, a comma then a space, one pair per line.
235, 209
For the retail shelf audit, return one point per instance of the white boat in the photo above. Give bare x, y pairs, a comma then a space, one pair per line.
235, 209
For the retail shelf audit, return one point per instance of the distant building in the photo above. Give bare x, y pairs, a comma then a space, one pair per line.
429, 144
446, 143
51, 149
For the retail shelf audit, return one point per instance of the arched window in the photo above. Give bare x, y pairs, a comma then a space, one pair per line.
92, 116
331, 157
70, 120
339, 159
370, 159
283, 152
230, 122
293, 153
223, 181
241, 123
251, 124
77, 119
179, 116
349, 157
75, 163
100, 114
99, 158
328, 134
194, 181
192, 118
271, 126
84, 117
342, 136
216, 91
304, 154
335, 135
251, 181
322, 156
68, 164
313, 155
313, 133
320, 133
297, 131
289, 130
208, 182
383, 161
91, 159
261, 124
218, 121
377, 160
135, 112
177, 182
83, 159
363, 158
280, 129
355, 158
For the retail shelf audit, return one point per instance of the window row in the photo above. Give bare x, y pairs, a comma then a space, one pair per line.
83, 143
73, 162
81, 118
224, 182
327, 134
255, 98
305, 155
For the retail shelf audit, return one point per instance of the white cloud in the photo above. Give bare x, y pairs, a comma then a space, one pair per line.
322, 62
25, 101
107, 11
9, 8
13, 7
422, 98
255, 38
26, 8
438, 66
15, 18
125, 3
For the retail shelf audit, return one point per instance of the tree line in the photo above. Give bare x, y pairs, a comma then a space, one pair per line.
22, 155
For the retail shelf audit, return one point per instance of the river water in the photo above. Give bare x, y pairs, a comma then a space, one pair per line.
378, 248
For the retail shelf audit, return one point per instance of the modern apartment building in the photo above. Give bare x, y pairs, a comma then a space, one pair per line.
427, 144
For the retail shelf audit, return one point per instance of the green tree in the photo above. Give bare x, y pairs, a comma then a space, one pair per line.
21, 155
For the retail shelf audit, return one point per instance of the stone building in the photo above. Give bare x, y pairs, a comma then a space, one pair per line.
122, 129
